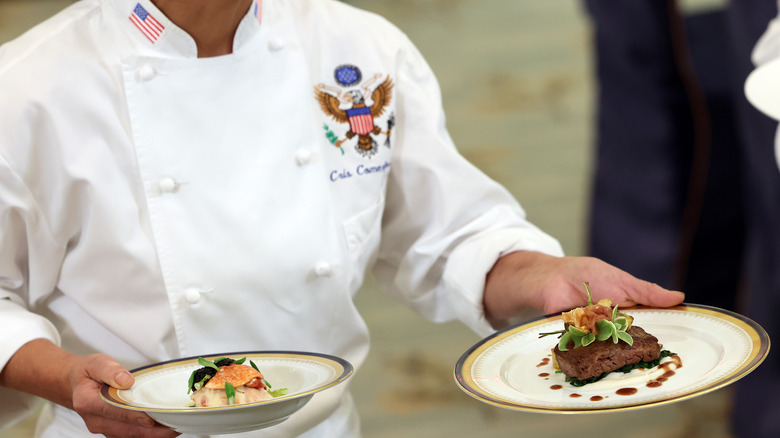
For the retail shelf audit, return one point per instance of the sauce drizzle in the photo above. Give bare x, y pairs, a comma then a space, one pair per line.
668, 372
668, 368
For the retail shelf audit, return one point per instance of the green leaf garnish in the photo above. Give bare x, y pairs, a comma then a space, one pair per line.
205, 363
605, 329
202, 382
625, 337
197, 385
587, 289
230, 391
240, 361
572, 335
267, 383
588, 339
278, 392
191, 381
615, 329
564, 341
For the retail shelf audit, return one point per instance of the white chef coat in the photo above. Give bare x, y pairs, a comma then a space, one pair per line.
766, 55
156, 205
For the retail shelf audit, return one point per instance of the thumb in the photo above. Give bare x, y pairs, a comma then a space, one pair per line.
107, 370
122, 380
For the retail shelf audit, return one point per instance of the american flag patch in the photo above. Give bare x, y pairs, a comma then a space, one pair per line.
147, 24
258, 10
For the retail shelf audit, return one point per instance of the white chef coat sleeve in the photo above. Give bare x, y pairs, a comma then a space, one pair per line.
768, 49
445, 222
17, 324
768, 46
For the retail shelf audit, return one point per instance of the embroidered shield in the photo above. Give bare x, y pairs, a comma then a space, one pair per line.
361, 121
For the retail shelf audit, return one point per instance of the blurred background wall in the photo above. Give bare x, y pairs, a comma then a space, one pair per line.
517, 85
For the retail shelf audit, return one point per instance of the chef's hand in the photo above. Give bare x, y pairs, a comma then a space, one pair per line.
524, 279
87, 377
41, 368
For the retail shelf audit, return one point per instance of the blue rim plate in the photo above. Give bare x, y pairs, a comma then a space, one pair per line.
160, 390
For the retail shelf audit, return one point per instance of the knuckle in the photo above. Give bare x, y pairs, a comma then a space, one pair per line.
98, 358
81, 406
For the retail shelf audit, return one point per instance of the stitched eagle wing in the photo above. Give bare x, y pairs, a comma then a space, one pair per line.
330, 106
381, 97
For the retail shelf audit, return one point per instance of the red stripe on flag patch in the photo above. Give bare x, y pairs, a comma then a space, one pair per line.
148, 25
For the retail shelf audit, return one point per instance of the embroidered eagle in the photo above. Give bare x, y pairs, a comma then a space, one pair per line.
359, 116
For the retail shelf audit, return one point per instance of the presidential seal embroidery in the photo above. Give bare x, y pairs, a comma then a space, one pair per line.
348, 105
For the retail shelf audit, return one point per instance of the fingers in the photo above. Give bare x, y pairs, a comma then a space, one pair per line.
563, 285
626, 290
101, 417
113, 429
650, 294
525, 279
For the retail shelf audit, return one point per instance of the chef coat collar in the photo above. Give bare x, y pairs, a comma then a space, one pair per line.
151, 33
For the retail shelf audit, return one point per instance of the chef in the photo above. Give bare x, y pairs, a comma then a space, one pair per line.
186, 178
757, 399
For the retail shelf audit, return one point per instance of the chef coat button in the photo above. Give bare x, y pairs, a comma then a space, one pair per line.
323, 269
193, 296
303, 157
145, 73
167, 185
275, 44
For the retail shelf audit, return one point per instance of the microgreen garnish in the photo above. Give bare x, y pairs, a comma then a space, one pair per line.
202, 374
191, 381
197, 385
614, 328
587, 290
206, 363
278, 392
209, 369
230, 392
577, 336
267, 383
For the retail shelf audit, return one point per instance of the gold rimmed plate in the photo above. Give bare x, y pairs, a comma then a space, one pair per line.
513, 368
160, 390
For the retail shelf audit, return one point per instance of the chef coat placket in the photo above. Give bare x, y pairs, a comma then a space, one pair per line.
219, 222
